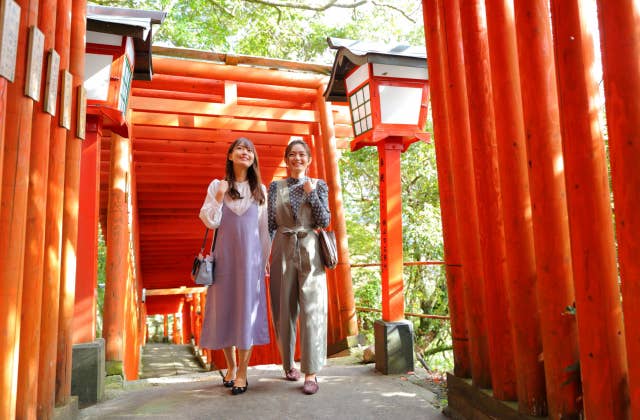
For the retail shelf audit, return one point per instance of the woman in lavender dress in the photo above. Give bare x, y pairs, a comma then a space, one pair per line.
236, 307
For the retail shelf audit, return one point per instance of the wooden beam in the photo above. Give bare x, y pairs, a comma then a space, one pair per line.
291, 127
208, 70
207, 135
174, 291
138, 103
217, 147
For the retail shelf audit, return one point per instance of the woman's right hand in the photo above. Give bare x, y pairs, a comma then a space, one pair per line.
223, 186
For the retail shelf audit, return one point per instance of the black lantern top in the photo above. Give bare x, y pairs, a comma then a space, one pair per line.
352, 54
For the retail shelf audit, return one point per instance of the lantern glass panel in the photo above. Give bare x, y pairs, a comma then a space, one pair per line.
125, 87
400, 105
97, 76
361, 110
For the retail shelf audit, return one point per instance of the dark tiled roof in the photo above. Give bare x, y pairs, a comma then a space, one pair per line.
351, 54
128, 22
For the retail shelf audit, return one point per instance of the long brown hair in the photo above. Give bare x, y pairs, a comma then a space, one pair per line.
253, 173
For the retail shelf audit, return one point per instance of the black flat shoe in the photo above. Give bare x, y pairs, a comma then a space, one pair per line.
228, 384
237, 390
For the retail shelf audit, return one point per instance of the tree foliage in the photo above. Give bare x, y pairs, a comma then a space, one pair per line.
293, 30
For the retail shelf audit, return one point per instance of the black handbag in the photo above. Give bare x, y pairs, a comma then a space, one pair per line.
328, 248
203, 266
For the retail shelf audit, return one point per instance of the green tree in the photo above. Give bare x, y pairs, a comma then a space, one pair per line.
291, 30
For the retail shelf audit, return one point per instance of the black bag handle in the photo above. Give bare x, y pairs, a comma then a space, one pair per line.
213, 244
204, 241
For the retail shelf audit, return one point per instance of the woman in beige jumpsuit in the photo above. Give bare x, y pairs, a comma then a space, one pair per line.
296, 207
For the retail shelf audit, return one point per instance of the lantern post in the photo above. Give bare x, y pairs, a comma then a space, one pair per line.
387, 91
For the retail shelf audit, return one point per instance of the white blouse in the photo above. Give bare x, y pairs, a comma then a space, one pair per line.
211, 211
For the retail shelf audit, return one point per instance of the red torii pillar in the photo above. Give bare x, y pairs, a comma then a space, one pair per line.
53, 229
465, 197
70, 209
346, 302
514, 185
186, 320
117, 270
318, 170
603, 365
35, 231
621, 70
84, 319
489, 197
548, 198
165, 325
437, 81
176, 331
13, 212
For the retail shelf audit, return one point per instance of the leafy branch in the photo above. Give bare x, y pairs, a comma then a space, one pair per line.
329, 4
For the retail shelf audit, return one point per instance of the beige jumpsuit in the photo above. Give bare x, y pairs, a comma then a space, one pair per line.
298, 286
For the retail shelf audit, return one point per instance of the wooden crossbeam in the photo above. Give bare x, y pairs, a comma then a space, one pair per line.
174, 291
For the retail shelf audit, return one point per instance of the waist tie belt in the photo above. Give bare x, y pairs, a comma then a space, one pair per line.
297, 233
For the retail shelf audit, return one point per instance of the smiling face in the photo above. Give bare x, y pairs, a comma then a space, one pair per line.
297, 160
242, 155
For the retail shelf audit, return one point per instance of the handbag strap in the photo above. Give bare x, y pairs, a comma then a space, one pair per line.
204, 240
213, 244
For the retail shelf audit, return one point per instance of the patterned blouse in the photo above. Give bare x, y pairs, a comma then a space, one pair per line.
318, 198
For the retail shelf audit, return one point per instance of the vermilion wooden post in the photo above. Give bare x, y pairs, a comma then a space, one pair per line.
603, 364
13, 214
176, 332
318, 170
140, 309
192, 318
53, 230
346, 301
516, 203
389, 151
131, 313
199, 315
166, 322
489, 197
620, 40
442, 142
464, 194
186, 322
84, 317
117, 250
143, 325
34, 238
70, 210
550, 224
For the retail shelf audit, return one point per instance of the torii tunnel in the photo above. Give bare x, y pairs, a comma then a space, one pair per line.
541, 245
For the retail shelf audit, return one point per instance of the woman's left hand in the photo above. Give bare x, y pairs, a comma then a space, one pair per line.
310, 185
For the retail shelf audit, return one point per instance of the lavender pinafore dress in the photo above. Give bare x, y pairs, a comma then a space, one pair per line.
236, 306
